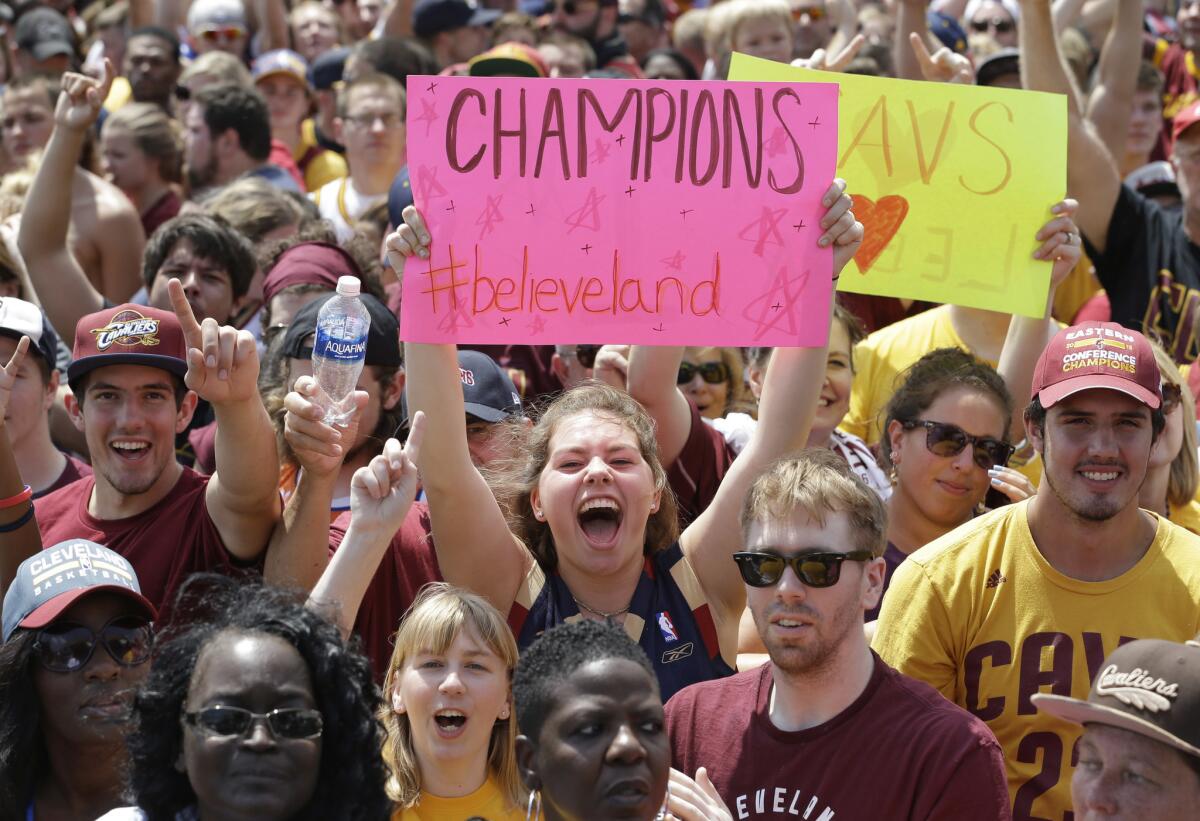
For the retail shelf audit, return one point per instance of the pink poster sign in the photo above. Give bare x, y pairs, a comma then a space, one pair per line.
596, 211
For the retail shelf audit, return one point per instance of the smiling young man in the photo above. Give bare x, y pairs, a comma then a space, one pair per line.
1031, 597
130, 379
805, 733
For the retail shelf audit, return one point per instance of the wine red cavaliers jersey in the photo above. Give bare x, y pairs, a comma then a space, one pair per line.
900, 751
409, 564
165, 543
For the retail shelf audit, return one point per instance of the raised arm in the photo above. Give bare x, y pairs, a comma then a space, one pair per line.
1028, 336
19, 536
397, 19
62, 287
299, 549
272, 19
911, 20
785, 413
242, 496
476, 551
381, 494
1092, 177
1110, 105
653, 381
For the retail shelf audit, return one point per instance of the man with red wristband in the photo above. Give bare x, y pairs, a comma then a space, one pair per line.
130, 379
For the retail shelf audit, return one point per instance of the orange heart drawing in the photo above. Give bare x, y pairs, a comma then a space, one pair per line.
881, 220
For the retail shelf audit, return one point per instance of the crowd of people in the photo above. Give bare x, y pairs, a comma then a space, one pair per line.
946, 566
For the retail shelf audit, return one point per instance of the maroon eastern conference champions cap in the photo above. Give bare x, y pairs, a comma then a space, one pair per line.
1097, 355
128, 335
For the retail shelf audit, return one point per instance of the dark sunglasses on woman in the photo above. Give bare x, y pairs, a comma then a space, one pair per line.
814, 569
997, 24
714, 373
65, 647
943, 439
285, 723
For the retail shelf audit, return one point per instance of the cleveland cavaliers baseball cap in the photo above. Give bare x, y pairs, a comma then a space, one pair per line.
1149, 687
49, 582
1097, 355
128, 335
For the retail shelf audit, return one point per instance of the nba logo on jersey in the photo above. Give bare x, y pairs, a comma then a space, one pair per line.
667, 628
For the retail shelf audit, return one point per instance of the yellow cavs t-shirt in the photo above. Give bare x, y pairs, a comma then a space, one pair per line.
982, 616
486, 802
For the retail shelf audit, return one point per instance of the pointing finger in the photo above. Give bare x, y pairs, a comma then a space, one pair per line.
183, 312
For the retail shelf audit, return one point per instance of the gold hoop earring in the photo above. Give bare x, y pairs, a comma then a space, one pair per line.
532, 814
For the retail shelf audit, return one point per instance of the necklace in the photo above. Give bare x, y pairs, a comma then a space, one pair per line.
606, 616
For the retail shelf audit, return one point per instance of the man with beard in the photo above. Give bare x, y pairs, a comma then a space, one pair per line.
596, 22
76, 645
227, 135
136, 376
826, 729
1031, 597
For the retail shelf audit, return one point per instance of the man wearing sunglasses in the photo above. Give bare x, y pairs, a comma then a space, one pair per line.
1031, 597
596, 22
218, 25
792, 737
573, 364
77, 637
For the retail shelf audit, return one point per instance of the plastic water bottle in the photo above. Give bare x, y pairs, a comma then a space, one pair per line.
339, 350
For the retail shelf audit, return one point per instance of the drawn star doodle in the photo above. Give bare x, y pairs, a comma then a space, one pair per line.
428, 115
782, 293
599, 153
427, 187
456, 317
675, 261
490, 215
588, 214
768, 230
537, 326
777, 143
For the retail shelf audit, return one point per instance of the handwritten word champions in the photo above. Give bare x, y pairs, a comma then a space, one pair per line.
691, 134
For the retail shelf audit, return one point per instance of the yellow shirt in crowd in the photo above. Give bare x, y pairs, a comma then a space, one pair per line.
325, 165
983, 617
486, 802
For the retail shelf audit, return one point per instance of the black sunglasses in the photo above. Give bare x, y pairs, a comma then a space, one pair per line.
814, 569
947, 440
1001, 25
285, 723
586, 354
66, 648
714, 373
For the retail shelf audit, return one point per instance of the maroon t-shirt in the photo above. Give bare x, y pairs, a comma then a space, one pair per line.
165, 543
409, 564
697, 472
166, 208
73, 471
900, 751
892, 557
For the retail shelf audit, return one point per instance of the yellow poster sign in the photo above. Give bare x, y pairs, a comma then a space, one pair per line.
951, 183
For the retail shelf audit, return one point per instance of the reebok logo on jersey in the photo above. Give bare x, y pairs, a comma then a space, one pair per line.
677, 653
996, 579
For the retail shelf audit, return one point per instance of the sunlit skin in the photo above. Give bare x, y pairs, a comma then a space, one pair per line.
934, 494
30, 398
835, 392
314, 30
28, 119
287, 105
764, 38
130, 419
602, 751
257, 776
208, 288
1125, 776
804, 629
1096, 449
711, 400
593, 457
1145, 124
125, 165
433, 690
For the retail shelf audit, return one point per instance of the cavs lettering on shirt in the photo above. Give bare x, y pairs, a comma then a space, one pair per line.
781, 800
1172, 315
